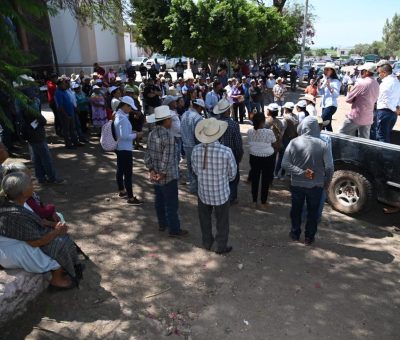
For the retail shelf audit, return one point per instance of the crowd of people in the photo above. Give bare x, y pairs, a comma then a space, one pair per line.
196, 118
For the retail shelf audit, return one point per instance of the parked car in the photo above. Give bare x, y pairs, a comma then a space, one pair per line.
137, 61
160, 58
365, 170
171, 62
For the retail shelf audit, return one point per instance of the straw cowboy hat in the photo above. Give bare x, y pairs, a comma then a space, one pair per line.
222, 106
308, 97
210, 130
330, 65
74, 77
160, 113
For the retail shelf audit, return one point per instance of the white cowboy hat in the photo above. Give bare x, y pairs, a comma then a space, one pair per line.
308, 97
112, 89
330, 65
128, 100
289, 105
222, 106
160, 113
199, 102
74, 77
271, 75
370, 67
210, 130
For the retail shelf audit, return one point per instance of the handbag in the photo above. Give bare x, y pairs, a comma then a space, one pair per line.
108, 139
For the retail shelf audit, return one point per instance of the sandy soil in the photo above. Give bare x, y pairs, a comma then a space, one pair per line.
344, 287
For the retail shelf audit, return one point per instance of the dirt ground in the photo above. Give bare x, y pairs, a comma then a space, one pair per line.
140, 284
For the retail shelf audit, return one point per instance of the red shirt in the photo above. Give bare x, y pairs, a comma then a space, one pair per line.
311, 90
51, 89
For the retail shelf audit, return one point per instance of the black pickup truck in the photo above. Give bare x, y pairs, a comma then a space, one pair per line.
365, 170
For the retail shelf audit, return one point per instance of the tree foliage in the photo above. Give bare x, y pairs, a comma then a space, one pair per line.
216, 29
320, 52
391, 35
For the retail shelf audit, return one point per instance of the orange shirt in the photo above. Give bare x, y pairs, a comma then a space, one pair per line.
311, 90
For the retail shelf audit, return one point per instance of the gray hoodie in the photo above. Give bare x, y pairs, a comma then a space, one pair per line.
308, 151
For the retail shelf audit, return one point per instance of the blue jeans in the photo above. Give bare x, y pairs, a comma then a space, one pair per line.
233, 186
327, 113
167, 205
386, 119
320, 208
41, 159
248, 105
192, 178
312, 196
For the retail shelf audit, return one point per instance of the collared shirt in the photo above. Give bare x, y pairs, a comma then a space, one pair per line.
329, 97
123, 131
160, 155
211, 100
71, 94
363, 97
215, 166
232, 138
279, 92
176, 125
188, 125
389, 93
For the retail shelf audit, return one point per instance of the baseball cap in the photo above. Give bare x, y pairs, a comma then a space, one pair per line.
128, 100
199, 102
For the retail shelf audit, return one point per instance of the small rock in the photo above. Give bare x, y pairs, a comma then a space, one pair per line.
246, 322
169, 330
192, 315
240, 266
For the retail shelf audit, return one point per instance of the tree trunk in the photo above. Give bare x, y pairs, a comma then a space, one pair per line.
279, 4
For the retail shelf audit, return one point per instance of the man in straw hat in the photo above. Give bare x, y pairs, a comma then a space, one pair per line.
215, 167
160, 159
232, 139
362, 98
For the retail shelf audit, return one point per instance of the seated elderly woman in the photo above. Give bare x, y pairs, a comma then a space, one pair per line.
18, 223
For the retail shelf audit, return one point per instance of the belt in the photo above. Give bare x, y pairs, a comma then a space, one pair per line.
386, 109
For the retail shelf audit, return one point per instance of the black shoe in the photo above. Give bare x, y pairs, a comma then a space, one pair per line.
70, 147
308, 241
294, 237
123, 194
79, 144
224, 251
181, 232
134, 201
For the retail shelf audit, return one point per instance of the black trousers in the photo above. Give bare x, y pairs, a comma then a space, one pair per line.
238, 108
222, 216
124, 171
261, 167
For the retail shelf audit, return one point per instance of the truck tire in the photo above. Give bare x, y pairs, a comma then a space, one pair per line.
349, 192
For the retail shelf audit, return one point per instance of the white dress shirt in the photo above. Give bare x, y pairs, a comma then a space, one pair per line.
389, 93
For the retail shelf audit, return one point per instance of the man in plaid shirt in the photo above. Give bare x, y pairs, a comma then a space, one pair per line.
161, 160
215, 166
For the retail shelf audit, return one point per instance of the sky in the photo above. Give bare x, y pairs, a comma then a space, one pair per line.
344, 23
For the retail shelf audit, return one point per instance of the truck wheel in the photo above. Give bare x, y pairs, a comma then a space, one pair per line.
349, 192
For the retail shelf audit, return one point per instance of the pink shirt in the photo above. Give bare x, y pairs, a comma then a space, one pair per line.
363, 97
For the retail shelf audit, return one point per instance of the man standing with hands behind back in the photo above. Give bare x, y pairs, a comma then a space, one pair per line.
307, 158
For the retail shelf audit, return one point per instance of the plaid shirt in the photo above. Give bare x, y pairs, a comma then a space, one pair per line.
232, 138
160, 155
215, 166
188, 124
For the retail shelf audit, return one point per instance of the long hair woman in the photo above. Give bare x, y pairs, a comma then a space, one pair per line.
262, 160
329, 87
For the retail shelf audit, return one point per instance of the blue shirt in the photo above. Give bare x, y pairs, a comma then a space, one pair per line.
329, 97
212, 99
188, 124
63, 100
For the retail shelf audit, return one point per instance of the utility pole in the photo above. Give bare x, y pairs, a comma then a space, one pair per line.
303, 45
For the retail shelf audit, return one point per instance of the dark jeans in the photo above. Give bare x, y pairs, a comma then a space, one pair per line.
239, 111
264, 167
84, 119
124, 171
41, 159
57, 120
222, 226
312, 196
167, 205
192, 178
385, 121
233, 187
69, 130
278, 166
327, 113
257, 106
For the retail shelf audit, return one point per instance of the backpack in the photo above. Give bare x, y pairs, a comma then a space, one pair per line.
108, 139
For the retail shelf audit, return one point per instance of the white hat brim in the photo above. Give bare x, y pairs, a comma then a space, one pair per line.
202, 138
152, 118
216, 111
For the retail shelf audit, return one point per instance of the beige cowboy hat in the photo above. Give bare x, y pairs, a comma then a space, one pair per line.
322, 122
370, 67
331, 65
210, 130
160, 113
308, 97
222, 106
74, 77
